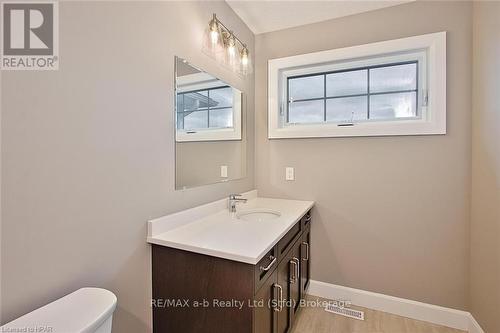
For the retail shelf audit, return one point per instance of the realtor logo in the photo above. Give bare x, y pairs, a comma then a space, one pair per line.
29, 36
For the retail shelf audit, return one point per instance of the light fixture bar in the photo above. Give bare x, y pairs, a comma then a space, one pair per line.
228, 31
222, 44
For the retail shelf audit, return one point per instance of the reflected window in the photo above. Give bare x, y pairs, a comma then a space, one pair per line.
205, 109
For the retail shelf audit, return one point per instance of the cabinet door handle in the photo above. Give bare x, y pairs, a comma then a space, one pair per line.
268, 267
279, 307
307, 251
308, 219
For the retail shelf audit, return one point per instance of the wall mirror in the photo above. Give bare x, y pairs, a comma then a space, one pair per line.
210, 146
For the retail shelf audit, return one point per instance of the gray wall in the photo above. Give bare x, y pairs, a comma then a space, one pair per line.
88, 153
392, 213
199, 162
485, 222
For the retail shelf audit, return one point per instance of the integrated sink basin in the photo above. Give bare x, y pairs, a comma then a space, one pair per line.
258, 215
245, 236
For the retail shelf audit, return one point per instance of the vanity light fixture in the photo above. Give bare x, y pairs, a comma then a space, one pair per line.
223, 45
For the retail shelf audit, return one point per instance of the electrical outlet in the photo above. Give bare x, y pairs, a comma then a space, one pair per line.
223, 171
289, 173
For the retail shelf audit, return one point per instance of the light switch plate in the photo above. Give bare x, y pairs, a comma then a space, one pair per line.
223, 171
289, 173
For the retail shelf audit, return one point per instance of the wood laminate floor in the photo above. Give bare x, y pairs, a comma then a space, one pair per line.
317, 320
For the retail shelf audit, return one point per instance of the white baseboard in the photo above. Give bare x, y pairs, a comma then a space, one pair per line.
474, 325
435, 314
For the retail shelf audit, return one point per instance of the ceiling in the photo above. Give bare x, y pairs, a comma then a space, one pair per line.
271, 15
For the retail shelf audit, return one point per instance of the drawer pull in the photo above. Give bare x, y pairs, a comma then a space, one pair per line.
268, 267
295, 262
308, 219
292, 277
307, 251
279, 306
297, 269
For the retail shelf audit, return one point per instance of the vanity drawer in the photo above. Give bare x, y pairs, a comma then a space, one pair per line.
287, 241
265, 267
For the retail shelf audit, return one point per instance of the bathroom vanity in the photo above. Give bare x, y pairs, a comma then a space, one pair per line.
216, 271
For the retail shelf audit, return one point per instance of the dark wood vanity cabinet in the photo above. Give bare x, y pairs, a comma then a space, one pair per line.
199, 293
289, 283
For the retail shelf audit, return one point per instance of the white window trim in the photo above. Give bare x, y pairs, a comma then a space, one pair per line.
206, 81
432, 121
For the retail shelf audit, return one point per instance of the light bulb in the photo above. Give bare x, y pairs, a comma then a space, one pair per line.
231, 46
214, 36
231, 51
244, 57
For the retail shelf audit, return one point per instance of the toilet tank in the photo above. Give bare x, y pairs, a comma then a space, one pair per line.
87, 310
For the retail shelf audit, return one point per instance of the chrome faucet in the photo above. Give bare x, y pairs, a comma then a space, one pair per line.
233, 199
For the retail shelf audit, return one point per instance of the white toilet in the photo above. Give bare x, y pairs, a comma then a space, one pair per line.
87, 310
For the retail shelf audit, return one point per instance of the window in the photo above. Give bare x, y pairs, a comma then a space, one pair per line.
205, 109
389, 88
363, 94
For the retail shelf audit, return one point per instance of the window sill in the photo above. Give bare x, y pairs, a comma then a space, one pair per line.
388, 128
225, 134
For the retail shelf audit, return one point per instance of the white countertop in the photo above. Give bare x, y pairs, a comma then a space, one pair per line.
212, 230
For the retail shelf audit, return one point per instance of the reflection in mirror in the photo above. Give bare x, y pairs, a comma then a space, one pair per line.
209, 143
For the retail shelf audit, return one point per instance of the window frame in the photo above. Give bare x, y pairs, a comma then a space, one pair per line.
200, 82
428, 50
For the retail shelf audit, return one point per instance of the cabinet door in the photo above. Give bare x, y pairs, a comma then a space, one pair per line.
283, 313
264, 303
305, 267
295, 279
